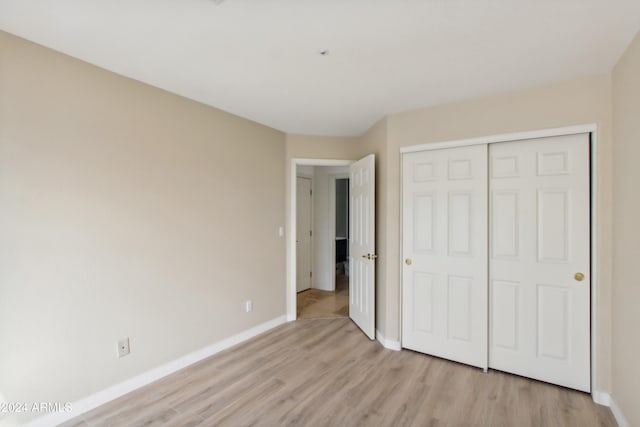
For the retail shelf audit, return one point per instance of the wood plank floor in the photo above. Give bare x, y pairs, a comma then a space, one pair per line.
317, 304
325, 372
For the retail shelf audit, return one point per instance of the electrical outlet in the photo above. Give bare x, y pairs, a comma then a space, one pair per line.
123, 347
248, 306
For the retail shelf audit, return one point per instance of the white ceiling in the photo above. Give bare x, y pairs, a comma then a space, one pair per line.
259, 58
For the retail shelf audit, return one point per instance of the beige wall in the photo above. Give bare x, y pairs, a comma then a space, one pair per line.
564, 104
321, 147
626, 234
126, 211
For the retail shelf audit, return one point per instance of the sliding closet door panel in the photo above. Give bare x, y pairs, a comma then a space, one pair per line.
539, 246
445, 251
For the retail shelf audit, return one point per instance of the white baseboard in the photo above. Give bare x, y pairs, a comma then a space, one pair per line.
618, 415
390, 344
100, 398
601, 397
605, 399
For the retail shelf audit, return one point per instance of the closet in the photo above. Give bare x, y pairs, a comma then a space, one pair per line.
496, 256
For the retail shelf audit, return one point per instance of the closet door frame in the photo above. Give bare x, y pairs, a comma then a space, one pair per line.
592, 130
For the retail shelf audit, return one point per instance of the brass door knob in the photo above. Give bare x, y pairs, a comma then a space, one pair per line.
579, 277
408, 261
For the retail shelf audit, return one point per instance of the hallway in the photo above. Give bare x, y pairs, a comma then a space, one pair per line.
317, 304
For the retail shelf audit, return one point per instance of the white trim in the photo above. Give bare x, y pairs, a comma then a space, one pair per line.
601, 397
593, 145
100, 398
401, 253
592, 130
618, 415
390, 344
491, 139
291, 227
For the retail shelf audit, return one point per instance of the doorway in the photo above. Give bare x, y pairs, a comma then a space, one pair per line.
362, 240
322, 242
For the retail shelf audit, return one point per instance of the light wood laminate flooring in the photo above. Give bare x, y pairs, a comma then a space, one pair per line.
317, 304
325, 372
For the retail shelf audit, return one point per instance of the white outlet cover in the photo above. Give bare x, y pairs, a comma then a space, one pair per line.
248, 306
123, 347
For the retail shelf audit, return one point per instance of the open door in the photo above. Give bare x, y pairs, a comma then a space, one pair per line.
303, 234
362, 283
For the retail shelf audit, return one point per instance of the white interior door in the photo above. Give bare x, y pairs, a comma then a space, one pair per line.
540, 306
303, 234
444, 278
362, 285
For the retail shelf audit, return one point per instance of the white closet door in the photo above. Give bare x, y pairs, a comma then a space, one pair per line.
444, 292
539, 304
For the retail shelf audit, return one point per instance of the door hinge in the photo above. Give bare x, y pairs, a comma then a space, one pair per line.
311, 274
310, 233
311, 192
